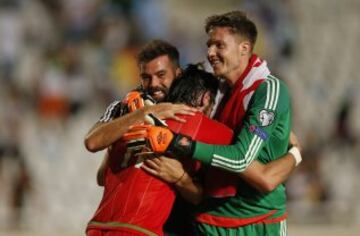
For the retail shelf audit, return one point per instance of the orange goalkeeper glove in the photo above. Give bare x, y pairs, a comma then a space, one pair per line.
159, 140
136, 100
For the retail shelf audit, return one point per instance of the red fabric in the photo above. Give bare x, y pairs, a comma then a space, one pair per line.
231, 222
215, 187
134, 197
233, 112
220, 184
274, 220
201, 128
100, 232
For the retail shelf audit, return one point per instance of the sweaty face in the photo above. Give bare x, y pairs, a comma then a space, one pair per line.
157, 77
223, 51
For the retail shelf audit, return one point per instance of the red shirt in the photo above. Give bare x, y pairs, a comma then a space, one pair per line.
135, 200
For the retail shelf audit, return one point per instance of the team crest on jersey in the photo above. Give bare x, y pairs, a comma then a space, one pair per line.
258, 131
266, 117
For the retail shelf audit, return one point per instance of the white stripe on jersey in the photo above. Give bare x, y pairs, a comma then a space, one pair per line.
109, 110
283, 228
273, 91
239, 165
272, 98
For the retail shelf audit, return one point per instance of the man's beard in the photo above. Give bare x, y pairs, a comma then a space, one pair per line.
157, 93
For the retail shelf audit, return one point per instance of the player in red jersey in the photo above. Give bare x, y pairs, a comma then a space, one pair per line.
159, 65
135, 202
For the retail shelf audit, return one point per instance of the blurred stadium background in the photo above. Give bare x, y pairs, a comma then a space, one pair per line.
62, 62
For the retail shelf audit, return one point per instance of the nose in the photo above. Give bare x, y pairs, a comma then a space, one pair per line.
155, 82
211, 52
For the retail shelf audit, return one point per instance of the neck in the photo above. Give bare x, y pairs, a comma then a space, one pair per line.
233, 76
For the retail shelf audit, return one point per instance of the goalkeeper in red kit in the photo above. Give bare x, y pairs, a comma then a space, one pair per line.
158, 64
134, 202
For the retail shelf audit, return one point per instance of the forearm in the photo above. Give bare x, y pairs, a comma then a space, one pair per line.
189, 190
267, 177
103, 135
278, 171
231, 158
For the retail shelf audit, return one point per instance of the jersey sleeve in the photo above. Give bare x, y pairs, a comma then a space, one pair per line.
114, 110
268, 102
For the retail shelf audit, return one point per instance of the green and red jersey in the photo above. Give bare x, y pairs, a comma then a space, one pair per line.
259, 110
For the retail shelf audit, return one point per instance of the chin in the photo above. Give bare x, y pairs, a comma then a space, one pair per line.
217, 72
159, 98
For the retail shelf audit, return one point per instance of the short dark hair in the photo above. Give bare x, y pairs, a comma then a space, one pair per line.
156, 48
193, 82
238, 23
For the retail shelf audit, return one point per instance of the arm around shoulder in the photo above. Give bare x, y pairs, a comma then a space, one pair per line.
104, 134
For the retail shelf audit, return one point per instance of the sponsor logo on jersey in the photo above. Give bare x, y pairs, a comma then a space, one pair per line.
258, 131
266, 117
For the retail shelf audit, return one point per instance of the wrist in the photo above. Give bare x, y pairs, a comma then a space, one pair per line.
181, 180
146, 110
295, 152
181, 146
147, 115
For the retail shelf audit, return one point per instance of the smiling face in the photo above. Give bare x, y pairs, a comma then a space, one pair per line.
157, 76
226, 52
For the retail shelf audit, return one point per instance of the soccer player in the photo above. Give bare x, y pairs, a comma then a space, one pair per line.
158, 64
257, 107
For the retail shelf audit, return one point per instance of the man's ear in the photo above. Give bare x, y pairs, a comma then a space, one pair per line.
245, 48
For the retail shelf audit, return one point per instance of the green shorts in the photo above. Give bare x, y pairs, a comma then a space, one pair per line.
261, 229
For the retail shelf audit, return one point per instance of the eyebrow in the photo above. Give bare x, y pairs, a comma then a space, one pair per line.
156, 72
160, 71
213, 41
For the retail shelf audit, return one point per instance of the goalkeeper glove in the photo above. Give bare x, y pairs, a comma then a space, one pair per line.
136, 100
159, 140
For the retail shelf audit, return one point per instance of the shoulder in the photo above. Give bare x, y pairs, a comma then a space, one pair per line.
114, 110
274, 92
273, 84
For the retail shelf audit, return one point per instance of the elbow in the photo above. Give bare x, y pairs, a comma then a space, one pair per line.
198, 197
100, 176
90, 144
100, 181
262, 183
